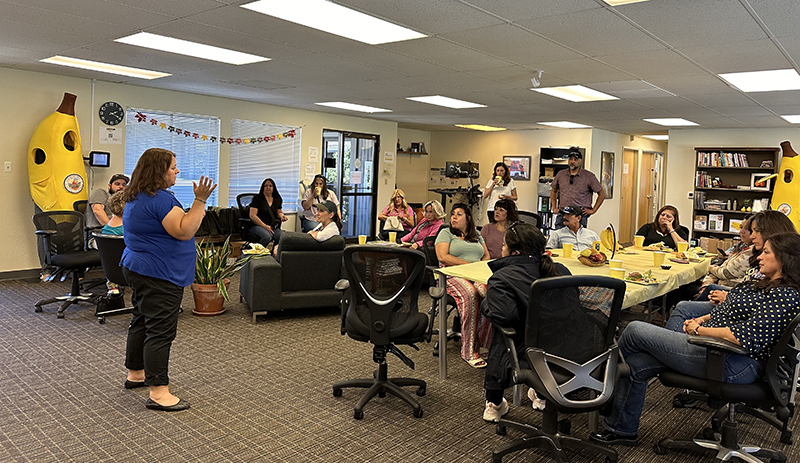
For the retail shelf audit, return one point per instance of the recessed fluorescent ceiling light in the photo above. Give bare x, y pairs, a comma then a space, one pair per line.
764, 81
485, 128
671, 121
184, 47
446, 102
354, 107
565, 125
576, 93
335, 19
104, 67
622, 2
657, 137
792, 118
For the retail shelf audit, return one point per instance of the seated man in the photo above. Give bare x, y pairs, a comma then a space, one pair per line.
97, 214
572, 232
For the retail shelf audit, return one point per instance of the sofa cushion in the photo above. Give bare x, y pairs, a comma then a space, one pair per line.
295, 241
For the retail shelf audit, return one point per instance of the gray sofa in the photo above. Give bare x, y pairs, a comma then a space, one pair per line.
301, 275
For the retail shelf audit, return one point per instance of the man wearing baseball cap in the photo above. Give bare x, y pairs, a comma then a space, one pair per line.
97, 214
575, 186
572, 232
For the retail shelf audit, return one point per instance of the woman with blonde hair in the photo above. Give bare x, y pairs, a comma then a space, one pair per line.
398, 207
429, 225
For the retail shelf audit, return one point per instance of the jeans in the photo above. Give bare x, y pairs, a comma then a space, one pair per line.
265, 237
308, 225
647, 350
686, 310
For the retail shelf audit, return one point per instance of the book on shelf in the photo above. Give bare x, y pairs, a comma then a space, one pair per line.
701, 222
716, 222
721, 159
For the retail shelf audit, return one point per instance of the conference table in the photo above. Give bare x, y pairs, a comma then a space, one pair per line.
642, 261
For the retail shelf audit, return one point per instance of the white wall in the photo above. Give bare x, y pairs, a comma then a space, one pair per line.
29, 97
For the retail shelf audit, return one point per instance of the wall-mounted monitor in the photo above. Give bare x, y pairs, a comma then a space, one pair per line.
461, 169
99, 159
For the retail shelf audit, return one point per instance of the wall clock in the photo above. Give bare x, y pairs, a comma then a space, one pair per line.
111, 113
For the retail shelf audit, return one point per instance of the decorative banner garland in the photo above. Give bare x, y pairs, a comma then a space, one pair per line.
141, 117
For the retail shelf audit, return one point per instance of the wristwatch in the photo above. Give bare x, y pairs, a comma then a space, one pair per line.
695, 330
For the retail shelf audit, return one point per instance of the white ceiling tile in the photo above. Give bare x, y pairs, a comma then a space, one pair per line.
735, 56
646, 64
515, 10
780, 16
444, 53
582, 71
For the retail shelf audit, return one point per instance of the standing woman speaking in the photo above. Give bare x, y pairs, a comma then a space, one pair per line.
158, 262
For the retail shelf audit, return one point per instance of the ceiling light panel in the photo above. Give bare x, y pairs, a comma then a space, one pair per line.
334, 19
576, 93
764, 81
565, 125
622, 2
657, 137
483, 128
354, 107
446, 102
671, 122
792, 118
105, 67
185, 47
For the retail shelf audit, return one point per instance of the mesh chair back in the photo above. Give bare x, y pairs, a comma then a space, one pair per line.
531, 218
80, 206
386, 283
569, 332
243, 201
69, 228
783, 365
110, 248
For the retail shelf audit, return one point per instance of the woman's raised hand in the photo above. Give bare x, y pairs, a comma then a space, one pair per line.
203, 189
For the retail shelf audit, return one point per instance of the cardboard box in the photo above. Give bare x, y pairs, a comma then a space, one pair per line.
700, 222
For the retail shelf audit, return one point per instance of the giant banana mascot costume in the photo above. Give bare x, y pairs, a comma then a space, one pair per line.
786, 195
55, 160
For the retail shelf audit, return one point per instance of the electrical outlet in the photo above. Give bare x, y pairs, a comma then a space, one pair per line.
691, 194
7, 167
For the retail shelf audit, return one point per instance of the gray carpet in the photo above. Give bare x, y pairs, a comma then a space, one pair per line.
259, 393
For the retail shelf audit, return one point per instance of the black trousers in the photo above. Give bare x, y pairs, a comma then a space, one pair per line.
153, 327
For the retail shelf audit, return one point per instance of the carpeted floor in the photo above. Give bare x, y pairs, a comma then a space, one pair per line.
259, 393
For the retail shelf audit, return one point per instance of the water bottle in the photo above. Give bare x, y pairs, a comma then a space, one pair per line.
728, 206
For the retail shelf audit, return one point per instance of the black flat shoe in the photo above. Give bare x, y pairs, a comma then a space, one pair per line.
609, 438
153, 405
134, 384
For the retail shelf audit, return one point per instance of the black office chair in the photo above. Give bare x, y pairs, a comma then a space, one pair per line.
571, 359
380, 307
110, 248
531, 218
769, 399
63, 239
432, 262
82, 206
243, 201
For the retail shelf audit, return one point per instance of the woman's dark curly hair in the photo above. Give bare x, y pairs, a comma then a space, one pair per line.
786, 248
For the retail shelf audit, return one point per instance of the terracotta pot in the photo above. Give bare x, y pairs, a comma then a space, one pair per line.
207, 299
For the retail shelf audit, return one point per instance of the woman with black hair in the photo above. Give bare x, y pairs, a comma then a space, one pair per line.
505, 214
461, 244
523, 261
666, 228
266, 212
318, 193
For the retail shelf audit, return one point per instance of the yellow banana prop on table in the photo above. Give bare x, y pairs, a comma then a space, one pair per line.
55, 160
608, 240
786, 195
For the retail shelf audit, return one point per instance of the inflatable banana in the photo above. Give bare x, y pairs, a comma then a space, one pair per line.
55, 160
609, 240
786, 194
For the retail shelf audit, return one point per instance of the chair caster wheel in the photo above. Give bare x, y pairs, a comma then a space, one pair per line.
382, 394
659, 450
37, 309
435, 351
500, 430
61, 315
358, 414
786, 438
421, 391
418, 413
101, 320
337, 392
611, 460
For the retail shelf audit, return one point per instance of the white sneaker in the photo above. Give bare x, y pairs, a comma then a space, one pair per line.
494, 412
538, 404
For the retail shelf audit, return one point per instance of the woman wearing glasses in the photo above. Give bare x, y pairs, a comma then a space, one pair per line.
429, 225
398, 207
461, 244
505, 214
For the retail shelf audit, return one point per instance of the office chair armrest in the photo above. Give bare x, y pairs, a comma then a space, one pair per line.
436, 293
342, 286
508, 335
717, 344
45, 232
245, 219
717, 351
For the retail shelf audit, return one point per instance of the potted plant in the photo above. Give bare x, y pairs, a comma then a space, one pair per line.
210, 287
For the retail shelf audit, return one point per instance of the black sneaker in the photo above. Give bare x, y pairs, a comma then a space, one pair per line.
609, 438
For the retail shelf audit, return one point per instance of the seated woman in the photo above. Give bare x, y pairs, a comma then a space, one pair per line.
398, 207
456, 245
266, 212
429, 225
754, 316
505, 214
501, 186
522, 262
762, 225
732, 270
329, 223
116, 204
665, 228
316, 194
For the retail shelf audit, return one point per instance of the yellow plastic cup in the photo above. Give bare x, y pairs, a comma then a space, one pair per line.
617, 273
393, 237
567, 249
682, 246
362, 239
638, 241
615, 263
318, 191
658, 258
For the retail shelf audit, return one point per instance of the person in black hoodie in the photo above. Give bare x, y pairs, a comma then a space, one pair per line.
524, 261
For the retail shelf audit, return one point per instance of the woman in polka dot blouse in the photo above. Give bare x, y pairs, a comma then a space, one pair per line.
754, 316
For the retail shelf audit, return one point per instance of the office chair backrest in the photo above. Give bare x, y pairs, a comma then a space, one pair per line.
385, 283
429, 248
80, 206
110, 248
69, 227
782, 366
531, 218
243, 201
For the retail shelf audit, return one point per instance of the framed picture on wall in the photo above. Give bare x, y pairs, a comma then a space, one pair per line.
756, 178
519, 167
607, 173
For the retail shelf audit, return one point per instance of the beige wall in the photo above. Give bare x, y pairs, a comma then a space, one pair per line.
412, 169
29, 97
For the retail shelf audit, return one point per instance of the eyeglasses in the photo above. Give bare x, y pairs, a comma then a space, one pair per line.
572, 178
398, 196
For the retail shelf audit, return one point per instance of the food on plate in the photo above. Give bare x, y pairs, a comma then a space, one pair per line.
690, 255
592, 257
660, 246
644, 278
256, 248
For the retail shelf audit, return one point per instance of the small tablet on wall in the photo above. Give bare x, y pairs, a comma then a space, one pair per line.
99, 159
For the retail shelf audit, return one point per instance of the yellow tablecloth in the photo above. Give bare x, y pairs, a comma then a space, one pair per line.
678, 275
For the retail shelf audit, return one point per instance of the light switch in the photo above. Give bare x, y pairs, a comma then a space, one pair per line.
7, 167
